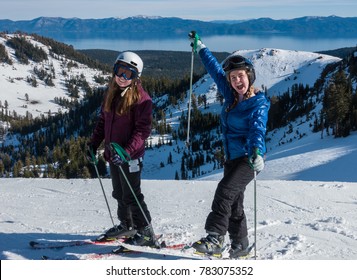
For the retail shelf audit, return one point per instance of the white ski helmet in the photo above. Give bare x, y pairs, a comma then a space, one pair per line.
131, 59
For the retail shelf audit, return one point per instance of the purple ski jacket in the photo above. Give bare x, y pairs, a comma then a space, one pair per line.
129, 131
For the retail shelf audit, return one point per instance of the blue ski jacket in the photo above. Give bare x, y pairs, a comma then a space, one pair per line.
244, 126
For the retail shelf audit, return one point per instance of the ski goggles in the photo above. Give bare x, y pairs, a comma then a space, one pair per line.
127, 72
236, 62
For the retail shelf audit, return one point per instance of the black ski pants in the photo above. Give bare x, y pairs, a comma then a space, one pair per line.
129, 212
227, 207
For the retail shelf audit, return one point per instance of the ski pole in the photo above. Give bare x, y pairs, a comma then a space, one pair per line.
124, 156
189, 100
255, 214
94, 161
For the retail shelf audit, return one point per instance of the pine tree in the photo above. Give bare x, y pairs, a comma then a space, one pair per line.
337, 104
2, 169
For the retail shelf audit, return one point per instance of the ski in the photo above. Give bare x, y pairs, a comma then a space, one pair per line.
105, 255
175, 251
91, 256
58, 244
164, 251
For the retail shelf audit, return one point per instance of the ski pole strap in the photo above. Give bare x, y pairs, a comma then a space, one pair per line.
121, 152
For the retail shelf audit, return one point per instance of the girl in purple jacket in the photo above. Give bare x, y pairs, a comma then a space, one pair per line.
125, 119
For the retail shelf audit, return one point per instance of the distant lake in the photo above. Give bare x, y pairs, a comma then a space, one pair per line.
215, 43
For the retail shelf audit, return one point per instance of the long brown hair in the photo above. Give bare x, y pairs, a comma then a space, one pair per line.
130, 97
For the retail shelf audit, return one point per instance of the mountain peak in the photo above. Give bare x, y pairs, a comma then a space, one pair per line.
145, 17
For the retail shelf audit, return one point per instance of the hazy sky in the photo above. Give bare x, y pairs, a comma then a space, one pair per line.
189, 9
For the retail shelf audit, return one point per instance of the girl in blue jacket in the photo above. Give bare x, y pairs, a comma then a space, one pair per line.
243, 118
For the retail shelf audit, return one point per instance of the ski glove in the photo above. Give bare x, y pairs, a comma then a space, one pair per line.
196, 42
91, 154
256, 160
116, 160
114, 157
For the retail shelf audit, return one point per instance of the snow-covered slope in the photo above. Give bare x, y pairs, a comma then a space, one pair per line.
278, 69
310, 158
296, 220
22, 97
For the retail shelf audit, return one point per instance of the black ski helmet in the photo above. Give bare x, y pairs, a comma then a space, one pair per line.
238, 62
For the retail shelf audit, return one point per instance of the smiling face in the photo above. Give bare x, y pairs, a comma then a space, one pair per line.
122, 83
124, 74
239, 81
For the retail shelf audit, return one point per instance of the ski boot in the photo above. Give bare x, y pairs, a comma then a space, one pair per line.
239, 247
144, 237
210, 245
117, 231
